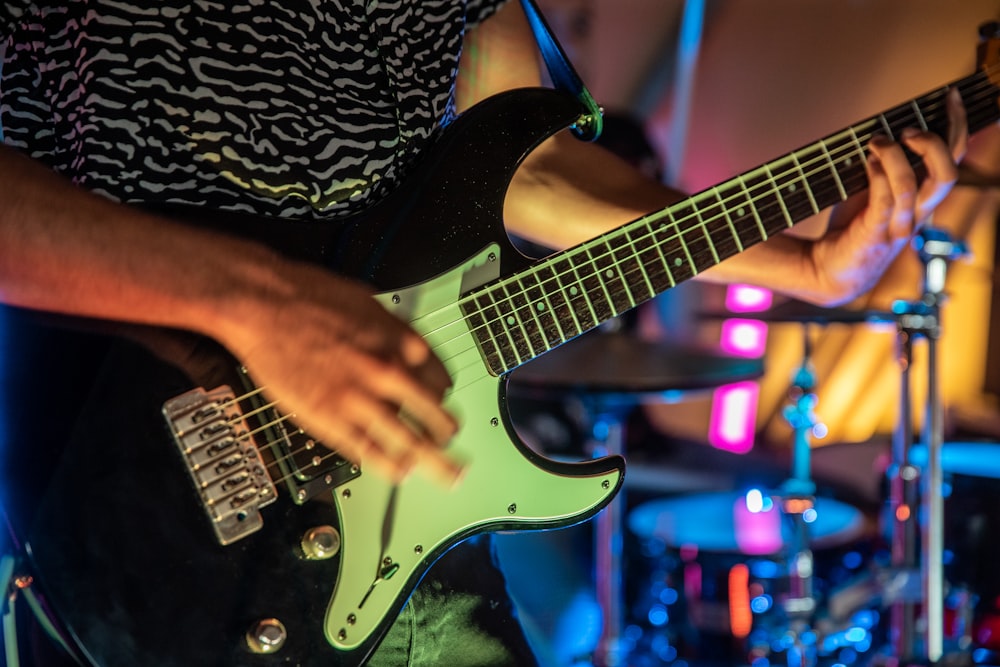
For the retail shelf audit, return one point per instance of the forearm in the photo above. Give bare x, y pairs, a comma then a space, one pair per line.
68, 251
569, 191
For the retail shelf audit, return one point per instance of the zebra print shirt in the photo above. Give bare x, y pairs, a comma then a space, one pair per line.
305, 108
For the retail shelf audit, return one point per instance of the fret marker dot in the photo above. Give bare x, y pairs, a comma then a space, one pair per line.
511, 321
791, 187
740, 211
574, 291
848, 161
609, 274
678, 262
540, 307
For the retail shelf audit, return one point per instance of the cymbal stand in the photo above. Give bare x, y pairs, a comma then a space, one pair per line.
916, 493
798, 498
608, 433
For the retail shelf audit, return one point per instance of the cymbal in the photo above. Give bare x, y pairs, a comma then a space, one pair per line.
722, 522
972, 459
806, 313
600, 362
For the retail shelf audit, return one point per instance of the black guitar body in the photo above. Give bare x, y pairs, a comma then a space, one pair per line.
119, 544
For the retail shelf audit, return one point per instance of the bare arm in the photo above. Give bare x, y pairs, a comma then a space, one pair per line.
589, 191
69, 251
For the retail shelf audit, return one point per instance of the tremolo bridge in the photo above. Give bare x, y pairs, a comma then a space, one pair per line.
237, 450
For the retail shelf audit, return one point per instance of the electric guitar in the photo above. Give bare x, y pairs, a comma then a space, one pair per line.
191, 526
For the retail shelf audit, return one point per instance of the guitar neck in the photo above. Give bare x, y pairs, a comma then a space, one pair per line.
526, 314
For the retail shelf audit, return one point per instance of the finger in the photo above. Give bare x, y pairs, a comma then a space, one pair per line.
375, 458
396, 387
898, 198
418, 355
357, 446
942, 172
958, 125
404, 441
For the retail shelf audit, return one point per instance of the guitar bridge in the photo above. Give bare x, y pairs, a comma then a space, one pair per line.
223, 460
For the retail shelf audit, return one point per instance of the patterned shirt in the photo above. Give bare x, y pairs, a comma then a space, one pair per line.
304, 108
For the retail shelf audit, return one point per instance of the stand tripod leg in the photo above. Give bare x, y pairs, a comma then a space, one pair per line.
608, 527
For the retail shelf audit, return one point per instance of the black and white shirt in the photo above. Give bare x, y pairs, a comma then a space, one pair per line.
305, 108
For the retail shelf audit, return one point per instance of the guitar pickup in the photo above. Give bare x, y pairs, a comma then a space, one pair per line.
222, 459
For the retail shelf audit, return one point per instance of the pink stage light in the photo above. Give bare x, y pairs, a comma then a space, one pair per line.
758, 525
743, 338
747, 299
734, 415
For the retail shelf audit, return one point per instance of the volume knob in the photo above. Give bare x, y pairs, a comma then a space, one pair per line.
320, 543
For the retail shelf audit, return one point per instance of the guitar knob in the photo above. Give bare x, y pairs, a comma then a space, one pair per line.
320, 543
266, 636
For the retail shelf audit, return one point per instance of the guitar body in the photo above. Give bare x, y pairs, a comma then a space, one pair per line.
120, 544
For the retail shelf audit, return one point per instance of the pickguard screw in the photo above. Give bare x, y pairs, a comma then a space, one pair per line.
606, 484
492, 257
494, 422
512, 508
395, 298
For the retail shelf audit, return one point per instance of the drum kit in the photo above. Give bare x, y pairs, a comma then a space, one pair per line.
780, 573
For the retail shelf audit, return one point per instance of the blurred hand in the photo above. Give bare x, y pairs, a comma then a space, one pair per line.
350, 374
851, 258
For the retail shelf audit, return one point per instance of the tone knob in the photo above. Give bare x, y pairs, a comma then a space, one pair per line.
266, 636
320, 543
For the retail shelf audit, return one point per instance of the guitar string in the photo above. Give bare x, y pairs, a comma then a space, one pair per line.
826, 163
801, 168
799, 172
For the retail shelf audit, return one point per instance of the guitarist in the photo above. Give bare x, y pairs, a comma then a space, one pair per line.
317, 110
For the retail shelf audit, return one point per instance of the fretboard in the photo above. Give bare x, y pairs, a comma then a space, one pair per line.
521, 316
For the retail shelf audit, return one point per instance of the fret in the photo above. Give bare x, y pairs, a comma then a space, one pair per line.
833, 170
558, 300
901, 118
821, 180
885, 126
612, 276
571, 287
693, 237
791, 189
918, 114
630, 258
716, 226
729, 219
752, 206
593, 288
488, 344
526, 315
767, 201
734, 198
703, 222
853, 173
676, 257
805, 183
541, 309
497, 331
642, 238
512, 321
789, 221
